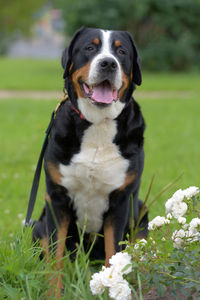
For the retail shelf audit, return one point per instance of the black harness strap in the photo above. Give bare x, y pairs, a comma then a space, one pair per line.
36, 178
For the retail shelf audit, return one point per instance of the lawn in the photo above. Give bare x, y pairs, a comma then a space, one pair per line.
35, 74
171, 147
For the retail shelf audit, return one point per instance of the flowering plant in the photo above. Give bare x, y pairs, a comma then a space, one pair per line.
168, 260
112, 277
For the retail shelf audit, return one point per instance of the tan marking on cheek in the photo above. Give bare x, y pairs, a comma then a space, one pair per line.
83, 74
130, 177
54, 173
71, 66
117, 43
109, 243
96, 41
125, 81
131, 75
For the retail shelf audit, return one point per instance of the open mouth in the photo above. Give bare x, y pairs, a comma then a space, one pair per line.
100, 93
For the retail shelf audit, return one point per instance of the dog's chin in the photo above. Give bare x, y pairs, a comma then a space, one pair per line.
98, 112
100, 105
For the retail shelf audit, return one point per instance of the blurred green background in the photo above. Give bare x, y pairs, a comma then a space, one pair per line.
166, 32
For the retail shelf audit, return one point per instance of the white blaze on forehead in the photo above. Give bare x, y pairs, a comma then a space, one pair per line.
105, 52
106, 48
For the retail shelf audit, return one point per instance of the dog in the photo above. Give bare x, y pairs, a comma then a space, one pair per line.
94, 159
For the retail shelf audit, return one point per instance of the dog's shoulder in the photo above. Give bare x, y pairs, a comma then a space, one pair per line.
66, 135
131, 126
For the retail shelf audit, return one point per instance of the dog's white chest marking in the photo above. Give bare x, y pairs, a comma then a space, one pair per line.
94, 173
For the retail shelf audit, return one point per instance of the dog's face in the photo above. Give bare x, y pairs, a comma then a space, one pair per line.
101, 69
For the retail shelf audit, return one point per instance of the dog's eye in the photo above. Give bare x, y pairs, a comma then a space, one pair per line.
89, 48
121, 51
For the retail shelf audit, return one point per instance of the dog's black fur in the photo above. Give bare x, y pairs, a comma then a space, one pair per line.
68, 134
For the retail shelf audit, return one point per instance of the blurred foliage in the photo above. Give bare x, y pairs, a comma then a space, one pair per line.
16, 16
166, 32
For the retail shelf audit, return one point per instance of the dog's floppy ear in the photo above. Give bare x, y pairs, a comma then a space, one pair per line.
137, 76
66, 59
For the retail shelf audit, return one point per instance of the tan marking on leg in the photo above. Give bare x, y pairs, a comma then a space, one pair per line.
56, 279
61, 237
125, 83
109, 243
80, 74
130, 177
96, 41
54, 172
47, 198
45, 247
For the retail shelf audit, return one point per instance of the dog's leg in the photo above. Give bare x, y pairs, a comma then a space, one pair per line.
115, 223
57, 222
117, 219
109, 241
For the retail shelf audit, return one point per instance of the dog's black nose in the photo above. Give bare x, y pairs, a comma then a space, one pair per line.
108, 64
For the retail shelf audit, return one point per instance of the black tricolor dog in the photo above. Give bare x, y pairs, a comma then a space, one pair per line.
94, 159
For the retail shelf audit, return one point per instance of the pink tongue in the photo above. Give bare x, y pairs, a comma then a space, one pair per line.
103, 93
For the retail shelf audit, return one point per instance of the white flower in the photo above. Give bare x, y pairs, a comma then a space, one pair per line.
179, 209
175, 208
140, 244
119, 261
168, 206
195, 223
163, 239
192, 235
178, 195
157, 222
185, 226
191, 191
109, 276
181, 220
179, 233
169, 216
112, 278
178, 238
193, 230
120, 291
96, 285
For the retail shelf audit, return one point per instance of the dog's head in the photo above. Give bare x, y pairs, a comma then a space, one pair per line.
101, 69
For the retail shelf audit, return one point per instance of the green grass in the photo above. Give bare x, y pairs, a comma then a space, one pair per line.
171, 145
170, 82
35, 74
30, 74
171, 149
